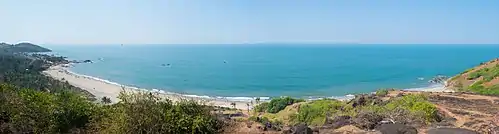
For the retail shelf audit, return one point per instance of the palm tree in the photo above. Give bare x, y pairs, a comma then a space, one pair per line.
233, 104
105, 100
247, 104
257, 100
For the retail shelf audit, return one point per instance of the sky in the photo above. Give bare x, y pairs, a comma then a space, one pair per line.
249, 21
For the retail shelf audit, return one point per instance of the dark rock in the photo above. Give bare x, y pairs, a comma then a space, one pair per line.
238, 114
451, 131
397, 129
494, 130
359, 101
399, 95
302, 129
315, 129
339, 121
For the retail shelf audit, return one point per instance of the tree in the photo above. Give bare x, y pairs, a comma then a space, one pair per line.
233, 104
106, 100
247, 105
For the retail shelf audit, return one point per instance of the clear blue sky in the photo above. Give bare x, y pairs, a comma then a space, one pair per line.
249, 21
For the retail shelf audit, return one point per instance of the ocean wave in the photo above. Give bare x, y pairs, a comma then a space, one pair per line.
430, 88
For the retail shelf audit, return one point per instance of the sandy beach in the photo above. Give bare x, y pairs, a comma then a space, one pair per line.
102, 88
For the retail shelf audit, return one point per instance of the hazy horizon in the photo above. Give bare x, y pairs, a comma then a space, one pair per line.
250, 22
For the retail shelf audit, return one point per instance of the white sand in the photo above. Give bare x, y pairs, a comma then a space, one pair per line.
102, 88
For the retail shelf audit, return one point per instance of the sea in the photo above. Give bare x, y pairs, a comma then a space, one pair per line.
244, 71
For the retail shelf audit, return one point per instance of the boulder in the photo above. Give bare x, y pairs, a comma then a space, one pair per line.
451, 131
302, 129
339, 121
397, 129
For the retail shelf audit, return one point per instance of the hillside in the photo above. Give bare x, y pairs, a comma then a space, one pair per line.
22, 47
482, 79
390, 112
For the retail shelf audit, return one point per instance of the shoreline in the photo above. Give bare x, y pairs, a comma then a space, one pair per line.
104, 88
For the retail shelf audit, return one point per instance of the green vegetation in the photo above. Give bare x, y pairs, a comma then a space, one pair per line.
381, 92
478, 87
24, 71
479, 81
314, 113
417, 105
262, 107
366, 111
275, 105
22, 47
278, 104
30, 111
147, 113
487, 73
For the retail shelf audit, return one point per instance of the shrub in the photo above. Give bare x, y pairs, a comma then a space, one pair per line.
147, 113
315, 112
367, 119
30, 111
382, 92
278, 104
262, 107
417, 104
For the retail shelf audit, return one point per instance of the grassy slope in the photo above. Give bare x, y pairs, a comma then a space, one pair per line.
482, 79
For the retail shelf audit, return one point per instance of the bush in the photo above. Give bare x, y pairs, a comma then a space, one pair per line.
382, 92
262, 107
367, 119
417, 104
315, 112
30, 111
278, 104
147, 113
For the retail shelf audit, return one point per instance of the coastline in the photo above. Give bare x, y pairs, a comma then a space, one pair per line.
104, 88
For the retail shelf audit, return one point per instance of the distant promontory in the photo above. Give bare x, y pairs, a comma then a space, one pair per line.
22, 47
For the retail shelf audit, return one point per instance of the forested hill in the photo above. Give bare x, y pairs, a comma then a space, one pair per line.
24, 70
22, 47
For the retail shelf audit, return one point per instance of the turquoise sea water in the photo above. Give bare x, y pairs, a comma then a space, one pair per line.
274, 70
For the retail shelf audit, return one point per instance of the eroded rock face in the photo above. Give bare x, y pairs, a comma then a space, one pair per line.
451, 131
397, 129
